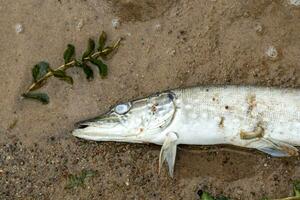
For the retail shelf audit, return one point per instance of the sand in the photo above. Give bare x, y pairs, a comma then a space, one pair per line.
167, 44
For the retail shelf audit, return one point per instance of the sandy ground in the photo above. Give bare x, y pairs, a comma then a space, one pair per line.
167, 44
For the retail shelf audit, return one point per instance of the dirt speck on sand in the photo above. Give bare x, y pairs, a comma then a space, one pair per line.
197, 42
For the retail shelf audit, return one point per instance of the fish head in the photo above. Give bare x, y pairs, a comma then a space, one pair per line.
142, 120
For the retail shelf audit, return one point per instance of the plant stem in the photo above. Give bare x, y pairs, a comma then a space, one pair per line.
69, 65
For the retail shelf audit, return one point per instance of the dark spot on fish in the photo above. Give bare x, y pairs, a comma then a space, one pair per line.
207, 90
213, 98
153, 108
141, 130
251, 100
221, 123
226, 107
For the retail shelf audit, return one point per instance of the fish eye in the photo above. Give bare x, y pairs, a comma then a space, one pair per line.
122, 108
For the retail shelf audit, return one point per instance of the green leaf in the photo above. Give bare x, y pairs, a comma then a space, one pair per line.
102, 40
42, 97
62, 76
69, 53
101, 66
39, 70
86, 69
297, 188
88, 72
90, 49
206, 196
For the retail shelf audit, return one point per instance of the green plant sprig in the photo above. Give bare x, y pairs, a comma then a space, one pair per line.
42, 71
78, 180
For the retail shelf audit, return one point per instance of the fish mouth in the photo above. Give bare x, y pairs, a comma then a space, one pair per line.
106, 127
86, 132
80, 126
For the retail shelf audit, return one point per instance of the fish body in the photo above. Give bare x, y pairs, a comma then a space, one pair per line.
264, 118
218, 115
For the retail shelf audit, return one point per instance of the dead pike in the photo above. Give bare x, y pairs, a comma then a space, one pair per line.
263, 118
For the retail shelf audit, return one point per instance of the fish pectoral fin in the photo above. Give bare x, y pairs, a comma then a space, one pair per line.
276, 148
168, 152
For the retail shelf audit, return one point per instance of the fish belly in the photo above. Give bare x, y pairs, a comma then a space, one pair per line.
220, 115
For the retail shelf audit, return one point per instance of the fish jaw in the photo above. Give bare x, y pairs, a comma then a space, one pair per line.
140, 121
92, 133
106, 127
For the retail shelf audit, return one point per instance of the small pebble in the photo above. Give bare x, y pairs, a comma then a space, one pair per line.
79, 25
127, 182
258, 28
171, 52
265, 165
272, 52
157, 27
295, 2
115, 23
19, 28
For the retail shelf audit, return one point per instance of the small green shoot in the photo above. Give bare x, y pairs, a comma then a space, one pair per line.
206, 196
42, 71
296, 187
75, 181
